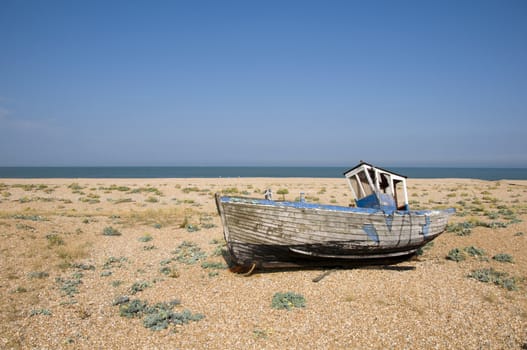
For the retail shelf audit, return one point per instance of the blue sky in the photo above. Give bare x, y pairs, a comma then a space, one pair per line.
397, 83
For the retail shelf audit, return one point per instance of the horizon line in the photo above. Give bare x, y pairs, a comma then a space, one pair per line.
268, 166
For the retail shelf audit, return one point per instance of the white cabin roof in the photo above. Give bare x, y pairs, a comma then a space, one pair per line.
363, 166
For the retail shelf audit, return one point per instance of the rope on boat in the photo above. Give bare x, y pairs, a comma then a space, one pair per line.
250, 272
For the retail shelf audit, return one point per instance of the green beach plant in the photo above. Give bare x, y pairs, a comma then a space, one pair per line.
36, 312
189, 253
474, 251
456, 255
146, 238
69, 286
110, 231
54, 239
283, 192
287, 301
152, 199
213, 265
425, 248
123, 200
489, 275
503, 257
158, 316
139, 287
114, 262
38, 274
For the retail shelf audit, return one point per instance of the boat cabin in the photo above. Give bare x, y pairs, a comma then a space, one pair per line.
377, 188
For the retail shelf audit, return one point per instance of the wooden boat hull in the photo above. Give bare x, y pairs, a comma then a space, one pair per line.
269, 233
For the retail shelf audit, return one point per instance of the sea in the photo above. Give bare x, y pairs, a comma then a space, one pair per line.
249, 171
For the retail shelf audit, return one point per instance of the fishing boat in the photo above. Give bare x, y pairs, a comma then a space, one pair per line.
379, 224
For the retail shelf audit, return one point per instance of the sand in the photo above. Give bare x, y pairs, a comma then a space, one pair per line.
60, 275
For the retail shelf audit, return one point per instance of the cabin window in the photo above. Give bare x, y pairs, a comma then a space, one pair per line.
399, 192
365, 185
384, 183
355, 186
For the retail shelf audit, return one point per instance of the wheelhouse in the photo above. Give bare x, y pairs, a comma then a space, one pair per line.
377, 188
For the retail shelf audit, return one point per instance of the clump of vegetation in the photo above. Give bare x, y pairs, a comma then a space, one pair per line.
147, 189
20, 289
424, 248
188, 226
518, 234
460, 228
312, 199
260, 333
36, 312
75, 187
192, 228
475, 251
81, 266
288, 301
38, 274
213, 265
25, 227
30, 217
456, 255
230, 190
503, 257
220, 247
169, 271
123, 200
190, 189
501, 279
139, 287
283, 192
465, 228
152, 199
54, 239
116, 283
146, 238
158, 316
90, 198
69, 286
158, 217
110, 231
206, 222
119, 188
112, 261
24, 199
189, 253
495, 224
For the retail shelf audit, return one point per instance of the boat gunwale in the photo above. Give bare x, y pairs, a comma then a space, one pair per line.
327, 207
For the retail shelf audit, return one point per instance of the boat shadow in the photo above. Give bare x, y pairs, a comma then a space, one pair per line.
269, 267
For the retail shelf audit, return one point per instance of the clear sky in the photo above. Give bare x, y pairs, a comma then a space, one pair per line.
396, 83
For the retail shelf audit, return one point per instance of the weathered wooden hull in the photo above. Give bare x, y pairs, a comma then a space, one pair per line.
269, 233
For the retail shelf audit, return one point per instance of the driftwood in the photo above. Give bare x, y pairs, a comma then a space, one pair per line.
321, 276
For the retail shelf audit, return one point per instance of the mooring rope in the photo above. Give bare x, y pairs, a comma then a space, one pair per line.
250, 272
